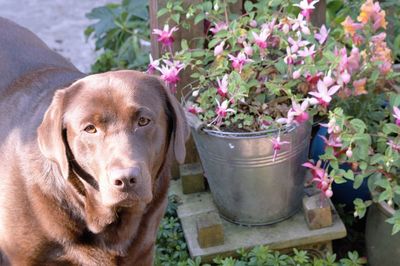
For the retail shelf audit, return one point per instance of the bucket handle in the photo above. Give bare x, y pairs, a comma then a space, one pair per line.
194, 122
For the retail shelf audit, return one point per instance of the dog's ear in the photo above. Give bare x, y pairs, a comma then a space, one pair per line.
180, 128
50, 134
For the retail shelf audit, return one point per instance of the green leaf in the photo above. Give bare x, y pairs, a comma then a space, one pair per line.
184, 44
162, 12
349, 174
377, 159
385, 195
390, 128
358, 125
176, 17
199, 18
105, 16
281, 66
248, 6
361, 207
213, 43
374, 76
358, 181
328, 155
383, 183
138, 8
395, 220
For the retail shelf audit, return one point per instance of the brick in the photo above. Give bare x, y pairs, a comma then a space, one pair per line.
210, 231
317, 211
192, 178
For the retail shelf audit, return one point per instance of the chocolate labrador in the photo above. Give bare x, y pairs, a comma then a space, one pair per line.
84, 160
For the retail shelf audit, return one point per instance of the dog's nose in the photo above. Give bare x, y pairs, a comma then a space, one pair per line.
124, 179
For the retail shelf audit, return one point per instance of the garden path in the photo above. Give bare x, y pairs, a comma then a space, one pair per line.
59, 23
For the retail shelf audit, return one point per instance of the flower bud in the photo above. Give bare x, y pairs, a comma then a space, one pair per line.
253, 23
296, 74
248, 50
195, 93
329, 193
349, 153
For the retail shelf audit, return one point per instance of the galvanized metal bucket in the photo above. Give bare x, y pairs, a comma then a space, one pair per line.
247, 185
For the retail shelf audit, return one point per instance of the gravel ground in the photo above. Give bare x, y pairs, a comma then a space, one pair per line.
59, 23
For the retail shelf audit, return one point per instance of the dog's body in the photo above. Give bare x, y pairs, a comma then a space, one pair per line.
84, 168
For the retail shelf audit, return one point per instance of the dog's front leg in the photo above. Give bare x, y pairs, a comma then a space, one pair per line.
87, 255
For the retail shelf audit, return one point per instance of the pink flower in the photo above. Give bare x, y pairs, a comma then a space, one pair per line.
219, 48
223, 86
289, 58
248, 50
323, 95
298, 113
344, 77
296, 74
300, 23
385, 68
239, 61
307, 51
261, 39
218, 27
396, 114
322, 35
393, 145
295, 45
332, 141
170, 73
153, 65
222, 111
342, 54
165, 35
320, 176
328, 80
312, 80
306, 8
357, 39
194, 109
332, 126
353, 62
277, 145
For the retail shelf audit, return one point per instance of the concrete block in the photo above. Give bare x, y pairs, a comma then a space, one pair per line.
317, 211
210, 231
192, 178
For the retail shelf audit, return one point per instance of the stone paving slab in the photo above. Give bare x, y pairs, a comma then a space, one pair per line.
292, 232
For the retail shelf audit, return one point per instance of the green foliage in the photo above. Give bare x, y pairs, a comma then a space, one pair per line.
120, 32
170, 245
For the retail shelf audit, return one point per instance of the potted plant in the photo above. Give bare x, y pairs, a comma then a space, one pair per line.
260, 77
364, 131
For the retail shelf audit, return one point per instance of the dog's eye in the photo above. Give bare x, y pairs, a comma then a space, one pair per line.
90, 129
143, 121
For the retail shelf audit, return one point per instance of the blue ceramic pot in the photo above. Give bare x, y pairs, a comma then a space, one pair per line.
342, 193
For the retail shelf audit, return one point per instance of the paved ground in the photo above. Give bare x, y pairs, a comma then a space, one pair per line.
59, 23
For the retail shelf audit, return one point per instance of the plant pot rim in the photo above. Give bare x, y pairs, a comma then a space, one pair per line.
200, 127
385, 208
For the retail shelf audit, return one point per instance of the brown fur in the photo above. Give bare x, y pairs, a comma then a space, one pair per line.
58, 203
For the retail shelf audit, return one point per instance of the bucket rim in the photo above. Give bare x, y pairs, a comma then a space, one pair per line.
256, 134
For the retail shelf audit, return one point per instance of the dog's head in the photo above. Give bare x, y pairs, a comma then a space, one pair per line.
114, 131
